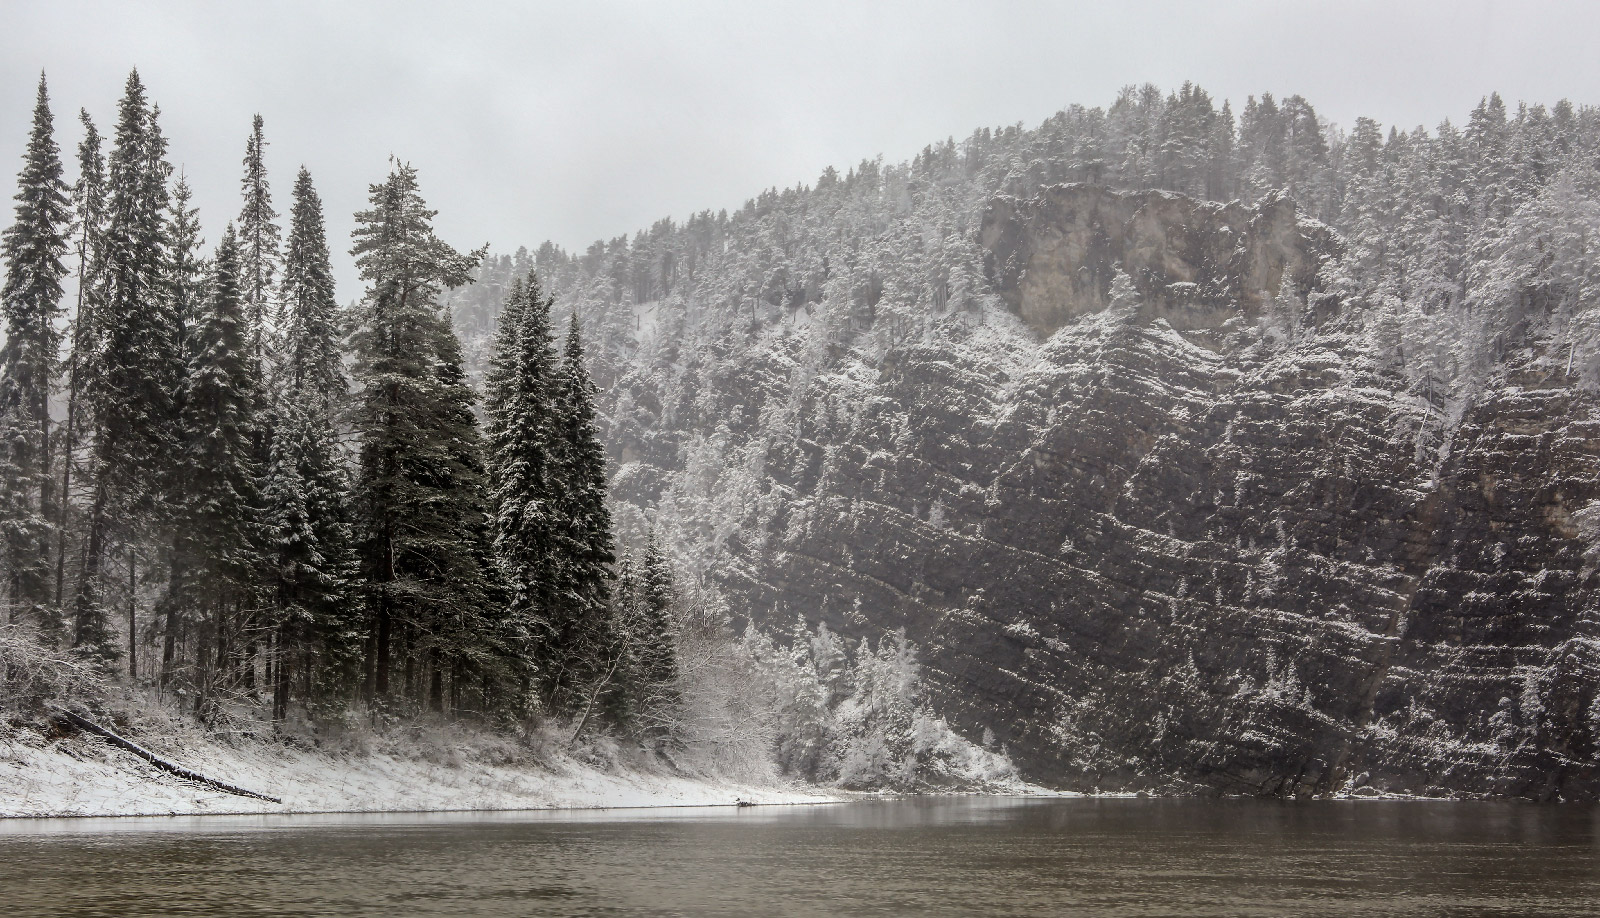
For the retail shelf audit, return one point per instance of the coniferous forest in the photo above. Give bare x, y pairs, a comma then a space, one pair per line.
221, 483
226, 490
459, 459
548, 488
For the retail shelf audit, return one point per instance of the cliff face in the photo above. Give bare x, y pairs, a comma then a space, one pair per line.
1221, 533
1205, 541
1195, 264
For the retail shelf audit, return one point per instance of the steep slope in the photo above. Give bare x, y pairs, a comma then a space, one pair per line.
1144, 558
1288, 510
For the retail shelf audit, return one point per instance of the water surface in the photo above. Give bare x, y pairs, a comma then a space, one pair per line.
1074, 857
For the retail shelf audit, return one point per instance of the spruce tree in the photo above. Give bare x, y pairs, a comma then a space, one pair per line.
188, 283
312, 561
461, 634
218, 521
584, 645
30, 302
658, 654
418, 490
88, 201
625, 692
311, 554
258, 243
311, 365
521, 401
187, 269
135, 368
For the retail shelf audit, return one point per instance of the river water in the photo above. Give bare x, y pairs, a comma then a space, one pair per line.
963, 856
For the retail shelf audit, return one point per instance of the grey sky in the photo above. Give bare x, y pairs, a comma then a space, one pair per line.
581, 120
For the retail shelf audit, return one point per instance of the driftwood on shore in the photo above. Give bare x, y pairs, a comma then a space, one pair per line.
172, 767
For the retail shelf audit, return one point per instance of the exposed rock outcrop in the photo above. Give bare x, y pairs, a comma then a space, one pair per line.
1195, 264
1163, 549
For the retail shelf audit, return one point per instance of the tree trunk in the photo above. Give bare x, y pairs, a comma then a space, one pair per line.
173, 620
71, 432
133, 625
436, 684
281, 676
86, 611
381, 652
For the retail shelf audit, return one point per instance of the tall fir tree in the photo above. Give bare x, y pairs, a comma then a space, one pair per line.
134, 371
187, 270
657, 655
311, 365
418, 489
584, 643
462, 637
218, 520
189, 288
520, 391
311, 554
30, 304
259, 238
89, 203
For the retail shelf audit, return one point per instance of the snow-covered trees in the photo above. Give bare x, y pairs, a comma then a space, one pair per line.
258, 243
862, 720
289, 536
309, 544
215, 554
419, 489
645, 690
134, 370
552, 529
519, 395
30, 303
582, 638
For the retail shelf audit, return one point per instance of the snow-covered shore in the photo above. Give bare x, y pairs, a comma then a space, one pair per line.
80, 775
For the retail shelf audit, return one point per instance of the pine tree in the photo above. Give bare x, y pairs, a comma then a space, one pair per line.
88, 200
258, 244
312, 560
521, 399
30, 302
135, 369
418, 492
218, 522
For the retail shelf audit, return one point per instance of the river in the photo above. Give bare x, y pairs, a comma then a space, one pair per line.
950, 856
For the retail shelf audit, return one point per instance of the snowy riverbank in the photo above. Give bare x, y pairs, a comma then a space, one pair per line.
82, 775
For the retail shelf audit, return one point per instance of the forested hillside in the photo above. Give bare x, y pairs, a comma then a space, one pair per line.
224, 497
1190, 447
1288, 495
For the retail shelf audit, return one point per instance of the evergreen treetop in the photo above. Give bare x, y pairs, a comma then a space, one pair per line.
312, 365
30, 304
259, 238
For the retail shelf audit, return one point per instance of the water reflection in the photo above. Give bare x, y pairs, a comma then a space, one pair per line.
925, 857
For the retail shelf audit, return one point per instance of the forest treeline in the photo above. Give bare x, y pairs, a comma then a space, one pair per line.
216, 481
1445, 229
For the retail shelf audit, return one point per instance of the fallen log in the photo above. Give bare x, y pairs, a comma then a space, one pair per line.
172, 767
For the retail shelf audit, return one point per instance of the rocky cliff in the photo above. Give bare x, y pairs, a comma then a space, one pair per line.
1195, 264
1201, 539
1170, 493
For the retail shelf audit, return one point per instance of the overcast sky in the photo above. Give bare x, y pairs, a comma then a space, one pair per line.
581, 120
